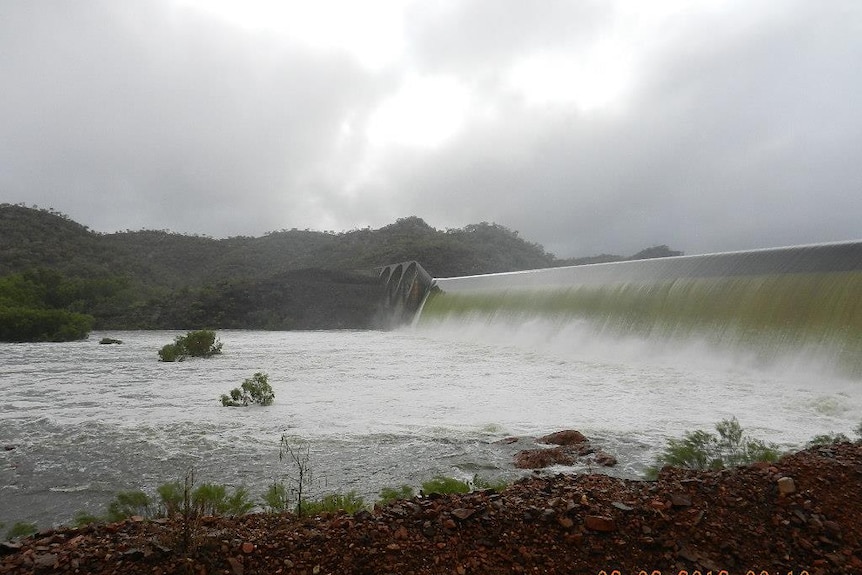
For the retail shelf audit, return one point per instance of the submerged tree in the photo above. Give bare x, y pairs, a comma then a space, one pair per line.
201, 343
255, 389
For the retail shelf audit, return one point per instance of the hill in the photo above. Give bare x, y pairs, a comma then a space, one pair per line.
288, 279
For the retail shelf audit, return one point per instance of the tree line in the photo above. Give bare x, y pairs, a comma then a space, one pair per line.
287, 279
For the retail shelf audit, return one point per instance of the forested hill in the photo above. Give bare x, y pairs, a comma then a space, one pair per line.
286, 279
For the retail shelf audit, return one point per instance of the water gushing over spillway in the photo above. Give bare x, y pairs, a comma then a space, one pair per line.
772, 303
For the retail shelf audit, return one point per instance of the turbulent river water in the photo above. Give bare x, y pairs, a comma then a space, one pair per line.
81, 421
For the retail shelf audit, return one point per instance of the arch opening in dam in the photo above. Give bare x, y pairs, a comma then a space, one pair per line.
773, 302
406, 285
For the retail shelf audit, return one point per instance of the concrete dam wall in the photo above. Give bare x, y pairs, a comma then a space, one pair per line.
802, 299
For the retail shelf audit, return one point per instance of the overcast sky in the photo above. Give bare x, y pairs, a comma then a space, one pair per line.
587, 126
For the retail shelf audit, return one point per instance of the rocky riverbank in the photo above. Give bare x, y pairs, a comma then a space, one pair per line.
801, 514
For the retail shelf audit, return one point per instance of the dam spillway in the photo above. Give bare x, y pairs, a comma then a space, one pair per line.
770, 303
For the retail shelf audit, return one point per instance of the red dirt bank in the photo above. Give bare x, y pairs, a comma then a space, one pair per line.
737, 521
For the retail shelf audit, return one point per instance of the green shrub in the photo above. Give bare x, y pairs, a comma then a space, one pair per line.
390, 494
254, 390
827, 439
85, 518
276, 499
21, 529
201, 343
349, 502
238, 502
171, 497
129, 503
171, 352
30, 324
444, 485
213, 499
483, 484
704, 450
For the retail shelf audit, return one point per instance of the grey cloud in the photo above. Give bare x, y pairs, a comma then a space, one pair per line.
738, 139
741, 128
186, 128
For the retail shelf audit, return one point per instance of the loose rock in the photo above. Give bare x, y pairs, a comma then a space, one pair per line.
737, 519
566, 437
786, 485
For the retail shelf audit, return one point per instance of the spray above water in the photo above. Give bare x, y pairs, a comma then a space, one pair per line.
787, 306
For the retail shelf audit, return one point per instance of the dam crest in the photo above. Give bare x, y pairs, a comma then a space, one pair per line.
768, 302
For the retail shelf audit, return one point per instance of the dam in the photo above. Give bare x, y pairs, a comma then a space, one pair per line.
769, 303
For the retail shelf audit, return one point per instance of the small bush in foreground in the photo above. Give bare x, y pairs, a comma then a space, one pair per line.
256, 389
390, 494
485, 484
827, 439
349, 502
445, 485
704, 450
83, 518
129, 503
276, 499
200, 343
21, 529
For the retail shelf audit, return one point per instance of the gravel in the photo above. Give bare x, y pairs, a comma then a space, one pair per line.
803, 513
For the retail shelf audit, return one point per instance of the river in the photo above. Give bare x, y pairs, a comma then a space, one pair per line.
81, 421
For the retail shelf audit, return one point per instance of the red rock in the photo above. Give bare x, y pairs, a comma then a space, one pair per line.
235, 566
462, 513
566, 437
600, 523
247, 547
786, 485
680, 500
541, 458
46, 561
741, 519
604, 459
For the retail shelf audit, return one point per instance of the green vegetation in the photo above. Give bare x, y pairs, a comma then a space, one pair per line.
22, 324
287, 279
704, 450
214, 499
827, 439
201, 343
833, 437
40, 305
21, 529
390, 494
175, 499
85, 518
256, 389
444, 485
128, 504
276, 499
482, 484
349, 502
